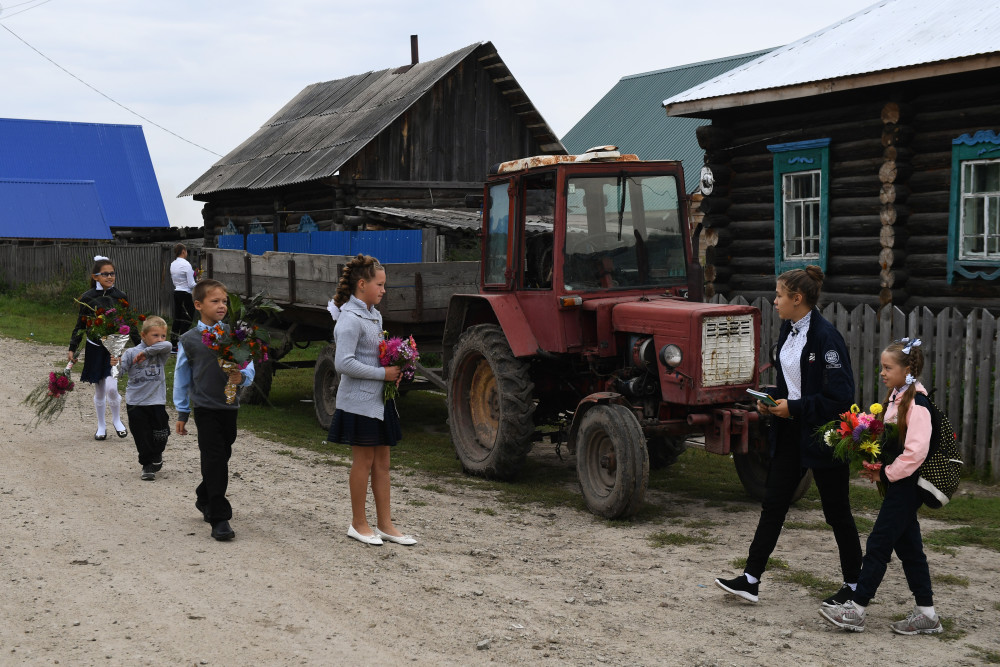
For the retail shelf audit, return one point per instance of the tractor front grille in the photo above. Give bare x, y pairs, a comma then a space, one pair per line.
728, 353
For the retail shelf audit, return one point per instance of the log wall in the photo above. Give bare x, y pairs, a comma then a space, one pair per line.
890, 161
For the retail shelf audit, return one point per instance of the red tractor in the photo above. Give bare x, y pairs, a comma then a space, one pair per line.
590, 321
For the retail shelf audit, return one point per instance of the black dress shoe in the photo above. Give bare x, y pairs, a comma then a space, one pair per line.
101, 437
223, 531
203, 508
121, 434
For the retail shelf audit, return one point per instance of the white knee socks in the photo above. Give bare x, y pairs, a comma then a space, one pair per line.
115, 399
99, 406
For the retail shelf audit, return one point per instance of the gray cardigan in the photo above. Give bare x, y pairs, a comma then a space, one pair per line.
357, 335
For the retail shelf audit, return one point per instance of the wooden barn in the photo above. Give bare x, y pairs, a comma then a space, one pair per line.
421, 136
871, 148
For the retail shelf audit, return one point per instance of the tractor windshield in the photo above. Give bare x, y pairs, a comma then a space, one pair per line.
623, 231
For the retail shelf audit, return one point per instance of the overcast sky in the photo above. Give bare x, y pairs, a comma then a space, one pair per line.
213, 72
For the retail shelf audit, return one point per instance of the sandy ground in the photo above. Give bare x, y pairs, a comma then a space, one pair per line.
100, 568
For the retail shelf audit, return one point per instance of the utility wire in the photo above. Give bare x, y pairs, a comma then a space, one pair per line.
3, 9
107, 97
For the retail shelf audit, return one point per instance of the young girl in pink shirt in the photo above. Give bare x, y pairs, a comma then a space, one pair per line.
896, 528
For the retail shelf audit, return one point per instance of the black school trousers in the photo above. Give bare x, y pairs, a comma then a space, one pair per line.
216, 435
783, 477
150, 428
183, 315
896, 529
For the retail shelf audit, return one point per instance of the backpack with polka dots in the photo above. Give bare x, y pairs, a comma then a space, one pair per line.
941, 471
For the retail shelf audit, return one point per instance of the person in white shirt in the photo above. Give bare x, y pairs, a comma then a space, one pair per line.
182, 275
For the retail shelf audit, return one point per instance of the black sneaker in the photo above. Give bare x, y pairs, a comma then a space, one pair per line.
157, 465
840, 597
739, 586
148, 474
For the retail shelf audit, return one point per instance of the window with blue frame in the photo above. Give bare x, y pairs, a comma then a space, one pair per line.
974, 210
801, 203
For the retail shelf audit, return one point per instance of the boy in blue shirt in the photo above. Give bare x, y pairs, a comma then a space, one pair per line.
199, 388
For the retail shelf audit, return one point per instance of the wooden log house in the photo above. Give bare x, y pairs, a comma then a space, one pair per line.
879, 163
420, 136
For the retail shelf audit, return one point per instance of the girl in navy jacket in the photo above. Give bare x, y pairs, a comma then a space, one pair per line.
815, 385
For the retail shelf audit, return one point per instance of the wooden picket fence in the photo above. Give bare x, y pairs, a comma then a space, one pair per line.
960, 371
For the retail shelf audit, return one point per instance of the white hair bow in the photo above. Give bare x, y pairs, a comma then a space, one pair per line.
98, 258
910, 379
334, 310
909, 345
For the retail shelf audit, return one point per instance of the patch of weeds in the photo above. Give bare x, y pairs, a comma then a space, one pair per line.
806, 525
417, 503
485, 510
341, 463
979, 536
773, 563
986, 655
951, 631
663, 538
436, 488
290, 454
942, 550
996, 605
864, 524
951, 580
808, 580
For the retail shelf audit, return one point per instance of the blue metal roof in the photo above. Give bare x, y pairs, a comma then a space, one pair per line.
51, 210
114, 157
631, 116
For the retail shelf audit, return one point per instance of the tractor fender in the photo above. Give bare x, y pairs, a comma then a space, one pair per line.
597, 398
466, 310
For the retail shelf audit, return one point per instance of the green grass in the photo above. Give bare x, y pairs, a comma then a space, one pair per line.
44, 313
950, 580
773, 563
988, 656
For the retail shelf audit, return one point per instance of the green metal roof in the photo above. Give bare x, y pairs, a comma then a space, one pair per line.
631, 116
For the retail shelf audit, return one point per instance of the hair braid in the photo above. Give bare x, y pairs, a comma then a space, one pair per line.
362, 267
914, 364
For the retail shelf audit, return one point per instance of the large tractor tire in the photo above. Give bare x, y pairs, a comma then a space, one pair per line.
611, 461
490, 404
752, 469
258, 391
326, 380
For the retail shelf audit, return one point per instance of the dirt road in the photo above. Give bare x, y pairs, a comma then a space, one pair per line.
100, 568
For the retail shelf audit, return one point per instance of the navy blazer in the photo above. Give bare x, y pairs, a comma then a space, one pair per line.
827, 388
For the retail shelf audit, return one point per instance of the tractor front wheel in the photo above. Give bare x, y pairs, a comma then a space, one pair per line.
611, 461
490, 404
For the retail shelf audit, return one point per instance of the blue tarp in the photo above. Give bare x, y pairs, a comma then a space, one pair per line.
390, 247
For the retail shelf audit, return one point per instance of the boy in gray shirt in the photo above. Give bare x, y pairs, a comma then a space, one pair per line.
146, 394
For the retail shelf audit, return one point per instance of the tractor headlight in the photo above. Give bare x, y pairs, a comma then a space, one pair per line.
671, 355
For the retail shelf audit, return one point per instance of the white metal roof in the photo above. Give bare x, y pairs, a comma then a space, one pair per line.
889, 36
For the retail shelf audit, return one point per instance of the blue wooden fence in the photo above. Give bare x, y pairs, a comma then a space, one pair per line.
390, 247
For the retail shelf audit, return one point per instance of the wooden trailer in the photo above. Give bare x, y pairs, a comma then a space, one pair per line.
416, 302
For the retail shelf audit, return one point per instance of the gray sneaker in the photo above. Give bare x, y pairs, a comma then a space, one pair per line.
917, 624
845, 616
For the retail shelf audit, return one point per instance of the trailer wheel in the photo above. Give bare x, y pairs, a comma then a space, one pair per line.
752, 470
664, 450
611, 461
326, 379
258, 391
490, 406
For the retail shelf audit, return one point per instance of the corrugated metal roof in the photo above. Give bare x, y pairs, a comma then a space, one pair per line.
328, 123
889, 35
440, 218
51, 210
631, 116
114, 157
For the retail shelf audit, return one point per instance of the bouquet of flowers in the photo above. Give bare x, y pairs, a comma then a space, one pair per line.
237, 340
397, 352
112, 326
49, 398
859, 435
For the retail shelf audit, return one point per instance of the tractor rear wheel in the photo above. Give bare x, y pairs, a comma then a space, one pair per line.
326, 380
611, 461
752, 469
490, 404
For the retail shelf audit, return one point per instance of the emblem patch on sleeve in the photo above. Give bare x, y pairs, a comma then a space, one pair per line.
832, 359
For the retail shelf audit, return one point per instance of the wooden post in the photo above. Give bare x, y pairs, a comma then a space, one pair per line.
894, 171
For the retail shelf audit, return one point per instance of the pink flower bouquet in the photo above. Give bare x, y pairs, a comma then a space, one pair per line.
400, 352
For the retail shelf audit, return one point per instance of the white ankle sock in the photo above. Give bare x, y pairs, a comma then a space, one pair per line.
927, 611
750, 578
853, 587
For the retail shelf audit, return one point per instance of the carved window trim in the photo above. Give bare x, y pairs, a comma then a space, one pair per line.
790, 158
979, 147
